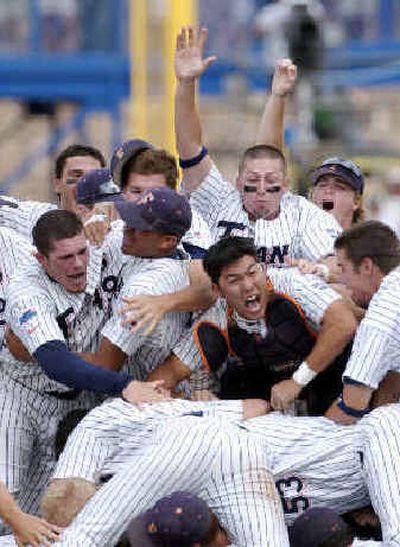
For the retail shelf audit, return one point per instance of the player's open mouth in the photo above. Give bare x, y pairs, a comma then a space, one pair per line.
77, 277
328, 205
252, 302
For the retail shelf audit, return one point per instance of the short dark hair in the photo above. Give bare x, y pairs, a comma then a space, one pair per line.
371, 239
225, 252
54, 226
76, 150
343, 538
262, 151
150, 161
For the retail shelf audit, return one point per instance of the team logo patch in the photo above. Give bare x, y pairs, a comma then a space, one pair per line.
29, 321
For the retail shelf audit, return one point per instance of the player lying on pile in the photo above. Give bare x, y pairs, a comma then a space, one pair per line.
205, 448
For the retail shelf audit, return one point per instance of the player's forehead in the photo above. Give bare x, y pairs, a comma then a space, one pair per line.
81, 164
239, 267
332, 180
144, 182
262, 166
68, 245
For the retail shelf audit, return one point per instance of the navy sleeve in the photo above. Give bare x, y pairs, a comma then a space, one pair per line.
67, 368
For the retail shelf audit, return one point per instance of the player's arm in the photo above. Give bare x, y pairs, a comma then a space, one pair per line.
27, 529
337, 328
144, 312
271, 128
189, 66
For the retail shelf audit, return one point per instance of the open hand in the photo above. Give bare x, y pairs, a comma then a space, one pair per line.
189, 62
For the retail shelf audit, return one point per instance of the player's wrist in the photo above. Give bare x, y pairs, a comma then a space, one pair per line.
304, 374
351, 411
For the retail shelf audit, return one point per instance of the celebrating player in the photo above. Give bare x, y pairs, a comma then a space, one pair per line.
260, 206
369, 257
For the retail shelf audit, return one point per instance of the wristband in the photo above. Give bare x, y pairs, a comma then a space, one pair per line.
304, 374
354, 412
191, 162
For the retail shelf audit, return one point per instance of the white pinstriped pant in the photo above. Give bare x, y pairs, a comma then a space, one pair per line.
212, 458
379, 444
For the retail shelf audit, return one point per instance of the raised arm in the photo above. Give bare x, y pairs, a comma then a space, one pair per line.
189, 66
271, 128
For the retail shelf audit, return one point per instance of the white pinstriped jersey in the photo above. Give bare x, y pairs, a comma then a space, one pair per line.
14, 252
376, 347
313, 460
150, 276
40, 309
302, 230
312, 294
24, 216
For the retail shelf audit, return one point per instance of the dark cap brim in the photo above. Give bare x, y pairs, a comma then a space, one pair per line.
137, 533
129, 212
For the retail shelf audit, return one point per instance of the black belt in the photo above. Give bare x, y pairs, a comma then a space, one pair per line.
64, 395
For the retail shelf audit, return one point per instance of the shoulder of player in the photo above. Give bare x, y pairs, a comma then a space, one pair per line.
155, 276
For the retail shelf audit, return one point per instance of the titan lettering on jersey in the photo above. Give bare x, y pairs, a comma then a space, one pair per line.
274, 255
231, 228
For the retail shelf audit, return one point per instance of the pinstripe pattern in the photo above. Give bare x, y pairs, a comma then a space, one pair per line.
379, 444
302, 230
29, 417
313, 460
14, 252
105, 439
147, 276
313, 295
24, 217
199, 233
210, 458
376, 348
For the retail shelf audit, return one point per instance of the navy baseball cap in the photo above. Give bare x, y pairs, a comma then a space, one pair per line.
343, 168
179, 520
97, 186
158, 210
315, 526
125, 152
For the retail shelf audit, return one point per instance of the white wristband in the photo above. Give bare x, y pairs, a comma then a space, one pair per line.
304, 374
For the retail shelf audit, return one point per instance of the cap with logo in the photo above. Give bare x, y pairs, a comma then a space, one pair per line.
158, 210
342, 168
179, 520
123, 153
315, 526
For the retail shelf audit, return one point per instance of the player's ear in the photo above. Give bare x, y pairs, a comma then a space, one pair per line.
41, 258
169, 242
367, 265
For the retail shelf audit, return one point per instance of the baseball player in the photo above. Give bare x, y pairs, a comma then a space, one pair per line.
313, 462
70, 165
56, 305
369, 256
261, 207
14, 252
252, 330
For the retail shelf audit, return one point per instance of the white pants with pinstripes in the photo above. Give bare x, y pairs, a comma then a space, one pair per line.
379, 445
28, 424
212, 458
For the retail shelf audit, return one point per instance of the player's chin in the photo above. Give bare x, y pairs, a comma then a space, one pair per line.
76, 283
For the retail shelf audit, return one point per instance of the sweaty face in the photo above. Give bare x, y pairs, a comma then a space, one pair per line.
74, 168
262, 184
335, 196
67, 263
358, 280
243, 285
137, 184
